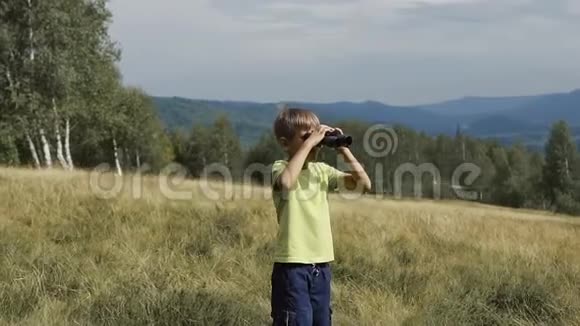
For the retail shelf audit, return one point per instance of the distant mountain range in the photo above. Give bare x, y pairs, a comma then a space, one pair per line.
524, 118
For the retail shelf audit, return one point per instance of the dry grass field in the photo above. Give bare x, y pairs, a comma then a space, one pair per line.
70, 257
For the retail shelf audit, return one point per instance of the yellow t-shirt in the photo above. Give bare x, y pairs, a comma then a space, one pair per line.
304, 232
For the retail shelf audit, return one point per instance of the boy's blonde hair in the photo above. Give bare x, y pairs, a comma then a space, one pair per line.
291, 120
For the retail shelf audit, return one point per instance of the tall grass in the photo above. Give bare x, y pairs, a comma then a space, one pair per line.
68, 257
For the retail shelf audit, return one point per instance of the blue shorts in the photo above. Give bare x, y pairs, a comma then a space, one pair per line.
301, 294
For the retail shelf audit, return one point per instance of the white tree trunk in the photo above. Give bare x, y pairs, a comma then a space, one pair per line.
59, 152
31, 56
30, 31
9, 78
45, 149
138, 160
32, 150
116, 153
67, 144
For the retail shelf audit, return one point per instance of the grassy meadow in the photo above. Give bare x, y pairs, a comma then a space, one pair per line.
70, 257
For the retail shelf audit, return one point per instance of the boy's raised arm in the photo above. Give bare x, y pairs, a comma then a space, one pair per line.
357, 176
288, 177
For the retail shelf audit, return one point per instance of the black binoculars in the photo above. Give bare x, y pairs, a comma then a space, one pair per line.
335, 139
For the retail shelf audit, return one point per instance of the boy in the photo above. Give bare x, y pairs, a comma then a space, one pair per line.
301, 273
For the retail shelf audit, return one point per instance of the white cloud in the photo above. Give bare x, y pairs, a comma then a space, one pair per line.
340, 49
574, 7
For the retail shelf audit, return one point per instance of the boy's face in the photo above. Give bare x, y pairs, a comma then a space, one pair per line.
293, 145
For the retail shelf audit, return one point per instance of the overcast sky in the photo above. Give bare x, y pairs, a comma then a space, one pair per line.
393, 51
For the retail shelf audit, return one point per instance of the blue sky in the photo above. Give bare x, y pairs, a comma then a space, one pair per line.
395, 51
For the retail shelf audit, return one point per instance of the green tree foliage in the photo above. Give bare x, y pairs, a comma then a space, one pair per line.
560, 160
511, 185
139, 131
224, 146
61, 92
260, 157
8, 148
209, 149
193, 150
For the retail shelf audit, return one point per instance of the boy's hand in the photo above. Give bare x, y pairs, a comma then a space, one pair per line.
288, 177
340, 149
317, 135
